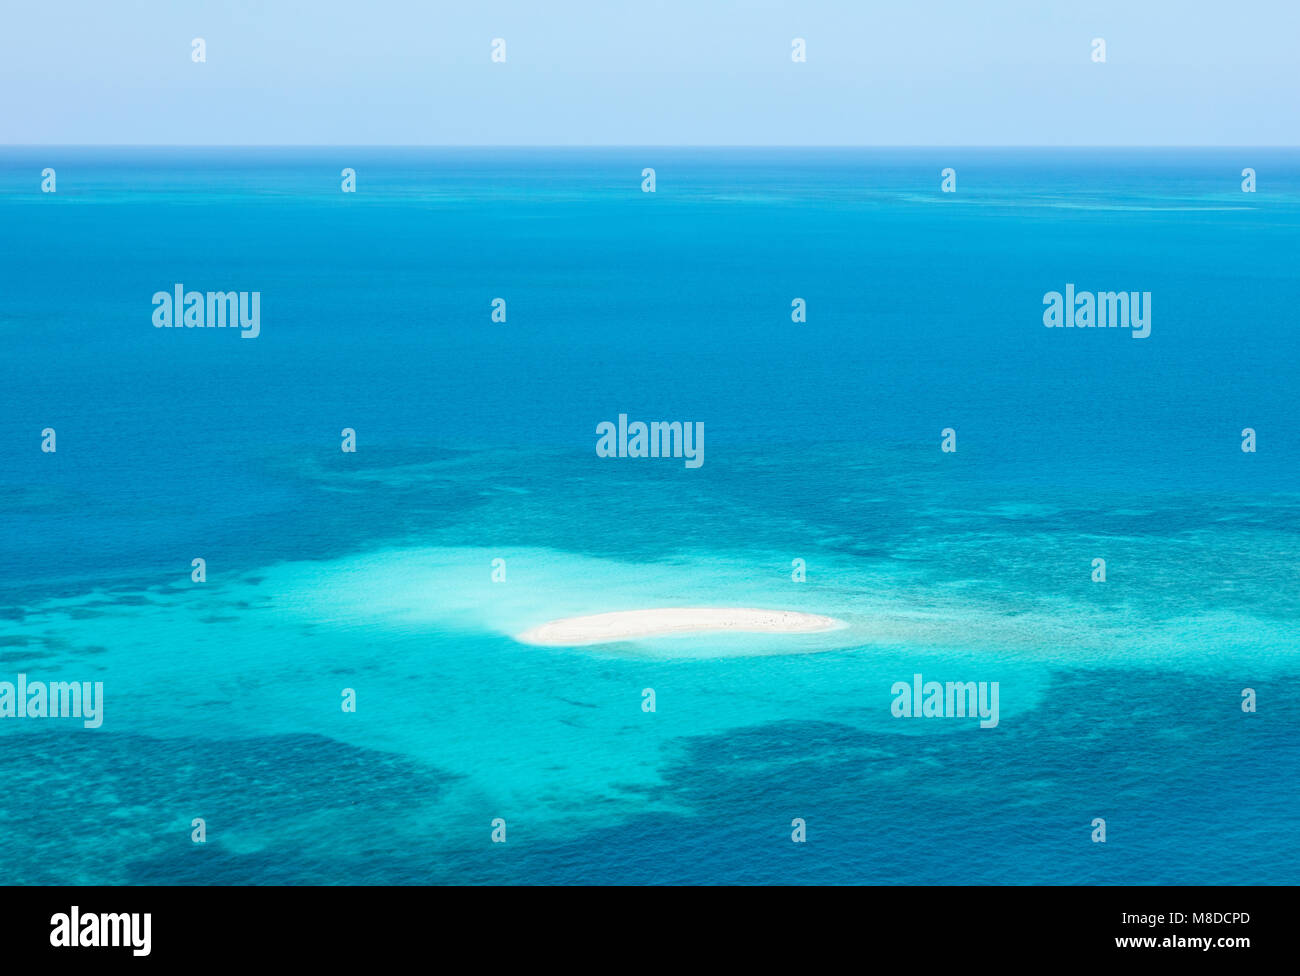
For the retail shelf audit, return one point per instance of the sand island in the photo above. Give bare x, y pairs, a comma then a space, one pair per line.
604, 628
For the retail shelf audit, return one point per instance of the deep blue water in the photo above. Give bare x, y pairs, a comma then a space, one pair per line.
371, 571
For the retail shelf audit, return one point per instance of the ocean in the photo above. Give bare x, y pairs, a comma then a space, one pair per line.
475, 506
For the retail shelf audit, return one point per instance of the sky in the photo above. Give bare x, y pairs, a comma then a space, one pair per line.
657, 72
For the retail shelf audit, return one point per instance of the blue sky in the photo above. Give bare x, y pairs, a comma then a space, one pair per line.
659, 72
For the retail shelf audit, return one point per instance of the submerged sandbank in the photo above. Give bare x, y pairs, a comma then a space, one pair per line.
603, 628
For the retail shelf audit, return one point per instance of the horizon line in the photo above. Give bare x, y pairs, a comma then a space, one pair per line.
627, 145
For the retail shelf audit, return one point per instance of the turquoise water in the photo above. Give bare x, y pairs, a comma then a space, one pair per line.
372, 571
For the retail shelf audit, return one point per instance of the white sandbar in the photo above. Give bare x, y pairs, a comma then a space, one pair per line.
602, 628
